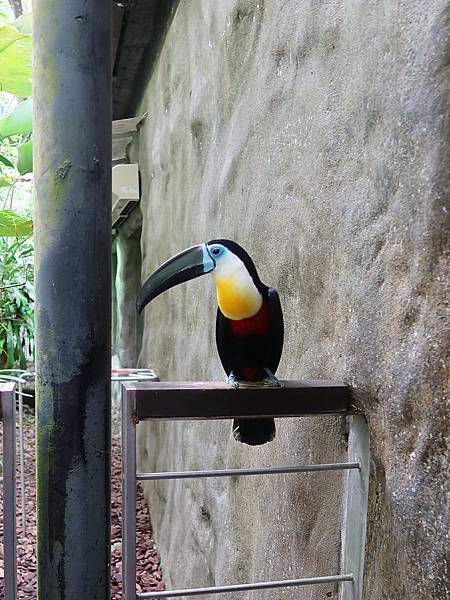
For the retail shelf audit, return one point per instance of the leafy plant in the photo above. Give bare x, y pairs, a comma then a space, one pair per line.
16, 149
15, 61
18, 121
16, 264
6, 12
14, 225
16, 302
25, 157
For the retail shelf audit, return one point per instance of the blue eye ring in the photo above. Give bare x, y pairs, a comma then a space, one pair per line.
216, 251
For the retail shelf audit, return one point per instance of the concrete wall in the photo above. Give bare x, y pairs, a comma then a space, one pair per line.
313, 134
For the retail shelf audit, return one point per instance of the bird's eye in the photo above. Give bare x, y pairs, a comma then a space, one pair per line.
216, 251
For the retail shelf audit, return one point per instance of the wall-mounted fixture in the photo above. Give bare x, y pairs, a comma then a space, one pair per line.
125, 192
123, 132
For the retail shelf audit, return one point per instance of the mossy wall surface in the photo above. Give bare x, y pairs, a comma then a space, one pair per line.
312, 133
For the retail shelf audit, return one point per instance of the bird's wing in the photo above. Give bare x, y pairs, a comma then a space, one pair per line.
277, 328
222, 340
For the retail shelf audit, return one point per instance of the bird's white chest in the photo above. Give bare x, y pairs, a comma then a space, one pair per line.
237, 295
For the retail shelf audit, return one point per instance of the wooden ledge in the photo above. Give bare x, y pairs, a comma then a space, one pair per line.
218, 400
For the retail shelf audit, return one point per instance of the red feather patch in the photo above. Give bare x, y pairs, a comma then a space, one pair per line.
259, 324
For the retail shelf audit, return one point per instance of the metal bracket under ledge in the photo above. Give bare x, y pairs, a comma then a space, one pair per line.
217, 400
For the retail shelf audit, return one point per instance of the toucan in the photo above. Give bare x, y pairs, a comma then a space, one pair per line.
249, 325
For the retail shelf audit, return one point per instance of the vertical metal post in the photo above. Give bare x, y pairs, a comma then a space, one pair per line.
22, 457
8, 413
128, 494
355, 516
72, 174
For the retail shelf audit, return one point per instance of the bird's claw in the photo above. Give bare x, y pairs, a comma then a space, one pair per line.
271, 380
233, 381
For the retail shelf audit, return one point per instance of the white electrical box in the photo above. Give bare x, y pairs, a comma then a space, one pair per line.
125, 191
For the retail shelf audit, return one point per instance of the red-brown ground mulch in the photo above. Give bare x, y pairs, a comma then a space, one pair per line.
148, 569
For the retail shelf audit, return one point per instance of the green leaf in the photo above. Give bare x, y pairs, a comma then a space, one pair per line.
23, 23
25, 158
8, 36
15, 61
6, 12
5, 180
22, 359
10, 346
19, 121
6, 162
14, 225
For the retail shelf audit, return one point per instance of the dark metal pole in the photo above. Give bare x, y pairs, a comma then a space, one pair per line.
72, 171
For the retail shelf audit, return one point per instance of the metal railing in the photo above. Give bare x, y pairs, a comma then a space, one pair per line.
20, 377
132, 375
212, 400
8, 417
11, 386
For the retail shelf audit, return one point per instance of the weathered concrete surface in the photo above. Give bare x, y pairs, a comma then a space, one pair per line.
313, 133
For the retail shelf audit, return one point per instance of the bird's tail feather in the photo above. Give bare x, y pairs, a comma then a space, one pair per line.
254, 431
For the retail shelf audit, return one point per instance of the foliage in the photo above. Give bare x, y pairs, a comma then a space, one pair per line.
16, 150
16, 262
25, 157
6, 12
15, 61
14, 225
5, 182
16, 303
23, 23
6, 162
18, 121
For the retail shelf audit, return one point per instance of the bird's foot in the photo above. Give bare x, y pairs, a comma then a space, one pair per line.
232, 380
249, 384
270, 380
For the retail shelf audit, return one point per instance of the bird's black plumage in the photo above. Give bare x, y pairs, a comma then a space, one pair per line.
247, 348
252, 350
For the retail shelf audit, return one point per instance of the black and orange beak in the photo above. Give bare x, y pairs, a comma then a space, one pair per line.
188, 264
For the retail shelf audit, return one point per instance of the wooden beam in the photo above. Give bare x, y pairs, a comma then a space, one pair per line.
218, 400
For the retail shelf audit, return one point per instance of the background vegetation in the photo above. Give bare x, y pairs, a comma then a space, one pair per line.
16, 246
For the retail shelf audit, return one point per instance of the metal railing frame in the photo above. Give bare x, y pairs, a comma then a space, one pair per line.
170, 401
8, 417
20, 376
11, 386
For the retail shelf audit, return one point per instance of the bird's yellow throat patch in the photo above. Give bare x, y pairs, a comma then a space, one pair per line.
237, 296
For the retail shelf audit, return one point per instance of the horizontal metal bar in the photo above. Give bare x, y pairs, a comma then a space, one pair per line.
23, 394
241, 472
219, 400
247, 586
4, 378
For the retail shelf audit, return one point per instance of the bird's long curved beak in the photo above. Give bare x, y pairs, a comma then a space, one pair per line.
188, 264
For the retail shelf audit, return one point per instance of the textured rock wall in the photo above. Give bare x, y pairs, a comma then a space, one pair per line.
313, 133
